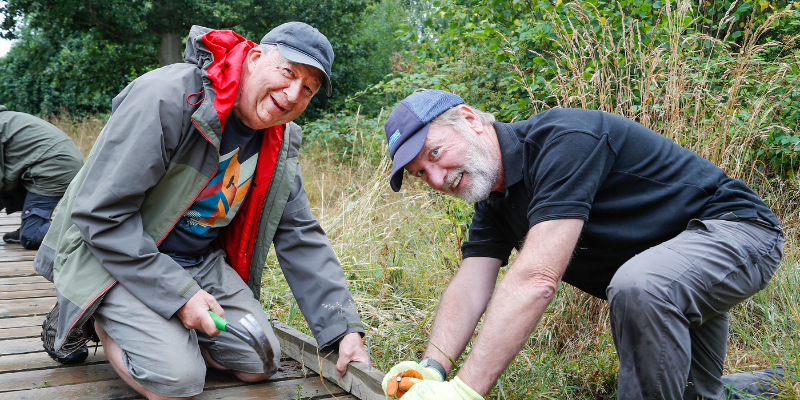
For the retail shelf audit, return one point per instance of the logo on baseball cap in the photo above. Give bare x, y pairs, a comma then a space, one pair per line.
303, 44
407, 127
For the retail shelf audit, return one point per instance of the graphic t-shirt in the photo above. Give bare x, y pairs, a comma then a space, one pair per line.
217, 204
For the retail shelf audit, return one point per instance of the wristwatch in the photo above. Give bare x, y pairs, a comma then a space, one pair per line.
431, 363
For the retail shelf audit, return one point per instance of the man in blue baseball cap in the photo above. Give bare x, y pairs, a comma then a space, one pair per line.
597, 201
194, 177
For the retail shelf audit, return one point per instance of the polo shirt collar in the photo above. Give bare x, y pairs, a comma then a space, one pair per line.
510, 153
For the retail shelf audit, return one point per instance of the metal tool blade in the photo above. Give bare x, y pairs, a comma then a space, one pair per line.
260, 343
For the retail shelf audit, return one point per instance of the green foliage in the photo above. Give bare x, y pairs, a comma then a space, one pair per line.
37, 76
84, 49
723, 67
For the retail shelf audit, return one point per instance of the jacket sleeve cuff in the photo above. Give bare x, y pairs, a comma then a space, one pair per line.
186, 292
328, 339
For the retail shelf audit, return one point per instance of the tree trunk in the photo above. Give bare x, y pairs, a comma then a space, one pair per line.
170, 50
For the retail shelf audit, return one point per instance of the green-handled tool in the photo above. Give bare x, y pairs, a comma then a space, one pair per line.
226, 326
254, 336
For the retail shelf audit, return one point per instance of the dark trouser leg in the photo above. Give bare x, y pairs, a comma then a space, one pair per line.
758, 384
669, 304
36, 214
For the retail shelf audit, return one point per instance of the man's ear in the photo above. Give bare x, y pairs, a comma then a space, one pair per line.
472, 119
253, 55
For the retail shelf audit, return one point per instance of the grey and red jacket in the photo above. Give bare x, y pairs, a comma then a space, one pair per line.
155, 155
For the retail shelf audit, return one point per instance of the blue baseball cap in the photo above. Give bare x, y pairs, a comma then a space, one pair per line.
407, 127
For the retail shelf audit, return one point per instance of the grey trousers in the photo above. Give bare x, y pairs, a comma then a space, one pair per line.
162, 355
669, 306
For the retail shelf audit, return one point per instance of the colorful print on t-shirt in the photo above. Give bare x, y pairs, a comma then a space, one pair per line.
223, 195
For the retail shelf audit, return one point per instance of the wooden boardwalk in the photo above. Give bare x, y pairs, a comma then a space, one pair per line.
27, 372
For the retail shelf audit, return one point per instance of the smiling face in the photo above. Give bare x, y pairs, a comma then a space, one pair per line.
460, 164
273, 90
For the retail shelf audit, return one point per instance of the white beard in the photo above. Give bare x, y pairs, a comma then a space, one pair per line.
482, 169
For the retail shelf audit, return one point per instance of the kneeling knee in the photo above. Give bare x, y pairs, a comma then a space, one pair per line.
250, 377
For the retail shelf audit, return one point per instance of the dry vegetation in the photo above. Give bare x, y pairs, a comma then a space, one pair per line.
398, 251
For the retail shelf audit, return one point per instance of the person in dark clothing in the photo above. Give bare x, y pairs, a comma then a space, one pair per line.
37, 163
597, 201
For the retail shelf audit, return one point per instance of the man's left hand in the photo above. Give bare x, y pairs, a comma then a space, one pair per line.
350, 349
455, 389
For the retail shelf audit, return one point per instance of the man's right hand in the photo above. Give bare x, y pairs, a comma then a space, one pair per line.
409, 373
194, 314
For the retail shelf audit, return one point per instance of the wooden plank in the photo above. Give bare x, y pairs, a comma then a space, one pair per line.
23, 380
109, 389
20, 321
17, 251
17, 287
21, 332
20, 346
359, 380
21, 280
301, 388
28, 294
26, 307
18, 268
312, 387
87, 373
21, 257
40, 360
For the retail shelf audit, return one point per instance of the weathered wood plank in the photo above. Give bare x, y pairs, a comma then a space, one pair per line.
22, 287
8, 252
21, 257
23, 280
16, 268
87, 373
28, 294
109, 389
284, 389
24, 380
21, 332
20, 346
360, 380
40, 360
26, 307
17, 322
301, 388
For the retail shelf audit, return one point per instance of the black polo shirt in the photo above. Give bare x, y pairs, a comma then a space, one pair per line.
633, 188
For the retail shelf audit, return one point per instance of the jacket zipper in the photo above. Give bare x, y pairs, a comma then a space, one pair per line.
198, 193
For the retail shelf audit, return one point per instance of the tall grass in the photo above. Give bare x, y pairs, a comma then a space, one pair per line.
399, 251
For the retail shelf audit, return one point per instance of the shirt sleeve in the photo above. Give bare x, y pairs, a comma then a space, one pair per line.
566, 176
487, 235
313, 271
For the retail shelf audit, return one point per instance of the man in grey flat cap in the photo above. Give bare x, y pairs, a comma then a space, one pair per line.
191, 181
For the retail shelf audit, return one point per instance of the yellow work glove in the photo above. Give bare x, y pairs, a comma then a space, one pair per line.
409, 373
455, 389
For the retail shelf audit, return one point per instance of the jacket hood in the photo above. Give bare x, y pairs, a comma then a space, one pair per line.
219, 54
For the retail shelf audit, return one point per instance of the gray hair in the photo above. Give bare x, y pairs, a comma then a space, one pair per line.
268, 48
455, 120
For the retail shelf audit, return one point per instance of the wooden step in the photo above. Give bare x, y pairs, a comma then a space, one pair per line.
40, 360
26, 307
17, 322
14, 268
